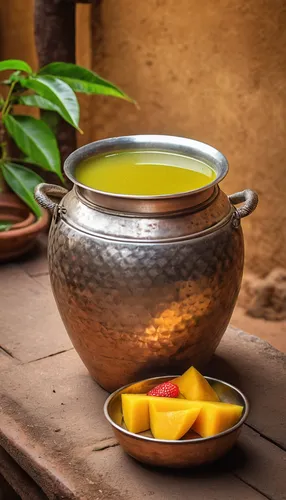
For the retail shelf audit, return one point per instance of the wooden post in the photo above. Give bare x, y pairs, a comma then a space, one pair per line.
55, 41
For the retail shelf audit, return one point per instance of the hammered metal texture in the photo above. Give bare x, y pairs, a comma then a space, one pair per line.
136, 310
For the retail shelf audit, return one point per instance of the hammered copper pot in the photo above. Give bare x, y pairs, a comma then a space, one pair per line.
145, 285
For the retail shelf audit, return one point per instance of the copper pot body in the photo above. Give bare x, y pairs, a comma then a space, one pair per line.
145, 286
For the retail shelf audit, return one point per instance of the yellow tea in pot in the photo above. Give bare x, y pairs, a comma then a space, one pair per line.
144, 173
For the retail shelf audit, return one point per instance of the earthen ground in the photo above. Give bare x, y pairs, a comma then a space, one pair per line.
55, 442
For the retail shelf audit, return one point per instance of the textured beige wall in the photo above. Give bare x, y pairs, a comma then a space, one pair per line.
214, 71
211, 70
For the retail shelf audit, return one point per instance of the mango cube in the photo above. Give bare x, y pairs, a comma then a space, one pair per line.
171, 424
194, 386
135, 410
174, 404
212, 419
216, 417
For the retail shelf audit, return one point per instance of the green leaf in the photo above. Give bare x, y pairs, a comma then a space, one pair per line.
23, 181
5, 225
38, 102
15, 64
15, 77
83, 80
52, 119
36, 140
50, 112
59, 93
26, 159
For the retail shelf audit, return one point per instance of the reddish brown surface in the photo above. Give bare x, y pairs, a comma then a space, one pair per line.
52, 425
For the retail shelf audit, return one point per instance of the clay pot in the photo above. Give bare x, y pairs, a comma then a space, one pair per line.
22, 235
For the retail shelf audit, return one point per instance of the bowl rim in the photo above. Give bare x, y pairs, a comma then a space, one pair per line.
176, 441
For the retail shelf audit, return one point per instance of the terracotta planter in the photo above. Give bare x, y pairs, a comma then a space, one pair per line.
22, 236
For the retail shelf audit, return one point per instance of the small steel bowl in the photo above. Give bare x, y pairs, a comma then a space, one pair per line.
187, 452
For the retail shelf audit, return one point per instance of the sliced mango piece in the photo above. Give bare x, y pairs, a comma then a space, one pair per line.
174, 404
194, 386
216, 417
171, 424
135, 410
181, 396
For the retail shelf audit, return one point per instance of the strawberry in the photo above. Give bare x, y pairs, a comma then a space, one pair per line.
165, 390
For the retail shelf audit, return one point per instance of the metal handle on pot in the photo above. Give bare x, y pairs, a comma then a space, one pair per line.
42, 192
250, 199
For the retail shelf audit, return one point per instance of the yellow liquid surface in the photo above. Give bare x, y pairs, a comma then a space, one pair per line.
144, 173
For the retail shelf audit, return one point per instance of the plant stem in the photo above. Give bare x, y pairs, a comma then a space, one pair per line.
2, 181
3, 144
3, 156
7, 101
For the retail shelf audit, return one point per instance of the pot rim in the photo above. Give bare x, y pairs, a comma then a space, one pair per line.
149, 142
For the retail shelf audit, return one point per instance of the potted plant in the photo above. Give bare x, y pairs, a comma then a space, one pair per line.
53, 89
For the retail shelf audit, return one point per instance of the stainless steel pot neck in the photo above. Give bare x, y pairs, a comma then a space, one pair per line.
144, 207
148, 204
